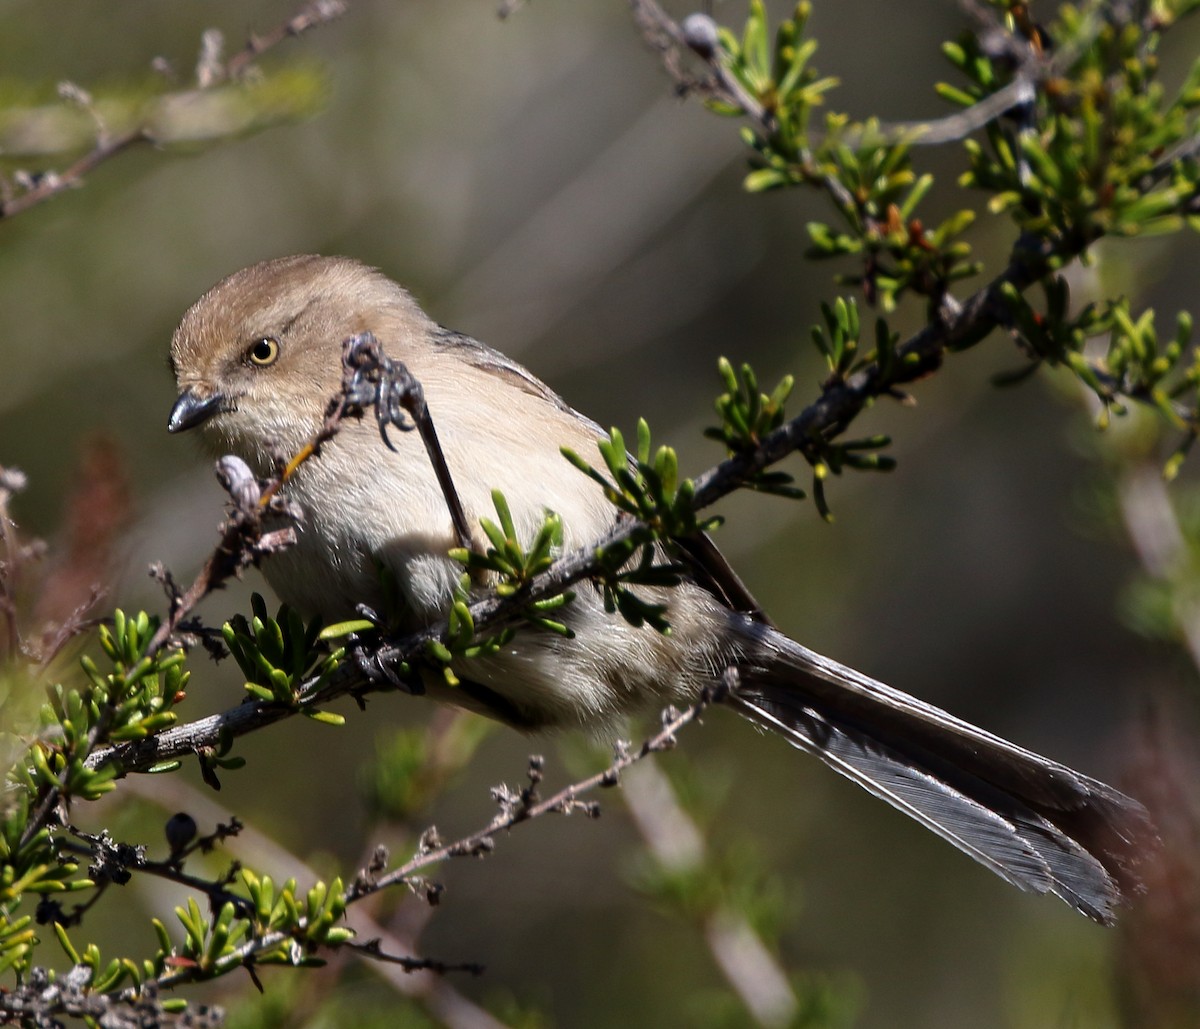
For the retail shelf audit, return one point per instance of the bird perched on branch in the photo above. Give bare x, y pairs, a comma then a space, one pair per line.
257, 359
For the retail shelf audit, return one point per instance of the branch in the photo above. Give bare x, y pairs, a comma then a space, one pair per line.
310, 16
698, 34
829, 415
526, 806
433, 992
50, 184
516, 807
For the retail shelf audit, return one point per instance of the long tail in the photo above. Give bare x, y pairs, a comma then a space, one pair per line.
1037, 824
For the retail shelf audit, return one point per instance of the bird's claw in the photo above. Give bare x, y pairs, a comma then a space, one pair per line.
371, 379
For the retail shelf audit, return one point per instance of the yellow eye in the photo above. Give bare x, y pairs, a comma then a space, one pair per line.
264, 352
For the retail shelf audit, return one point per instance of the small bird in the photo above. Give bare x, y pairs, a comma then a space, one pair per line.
257, 359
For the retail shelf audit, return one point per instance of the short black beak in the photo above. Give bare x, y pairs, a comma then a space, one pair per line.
191, 410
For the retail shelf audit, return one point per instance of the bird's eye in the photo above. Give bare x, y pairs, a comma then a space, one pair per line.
263, 352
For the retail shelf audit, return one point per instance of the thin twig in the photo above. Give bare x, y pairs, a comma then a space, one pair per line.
516, 808
435, 993
373, 949
564, 801
50, 184
311, 15
698, 35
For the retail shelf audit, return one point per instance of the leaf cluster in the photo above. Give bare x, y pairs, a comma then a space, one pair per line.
508, 567
1088, 143
279, 654
879, 228
1091, 153
645, 486
868, 174
132, 697
778, 73
1133, 365
749, 416
270, 925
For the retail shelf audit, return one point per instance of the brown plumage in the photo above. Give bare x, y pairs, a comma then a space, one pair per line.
258, 356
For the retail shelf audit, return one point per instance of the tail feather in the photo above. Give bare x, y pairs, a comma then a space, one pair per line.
1037, 824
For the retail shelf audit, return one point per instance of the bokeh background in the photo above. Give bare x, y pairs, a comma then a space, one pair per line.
536, 183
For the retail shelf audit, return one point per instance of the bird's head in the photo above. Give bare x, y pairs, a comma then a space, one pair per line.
258, 357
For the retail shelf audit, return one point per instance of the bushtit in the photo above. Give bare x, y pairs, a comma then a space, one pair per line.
257, 359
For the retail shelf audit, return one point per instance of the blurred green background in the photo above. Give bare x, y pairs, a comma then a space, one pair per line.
536, 184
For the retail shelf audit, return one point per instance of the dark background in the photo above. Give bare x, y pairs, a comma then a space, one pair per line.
536, 184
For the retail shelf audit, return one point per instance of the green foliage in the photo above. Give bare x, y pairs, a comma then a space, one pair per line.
1091, 154
646, 487
780, 76
461, 640
264, 924
747, 417
514, 568
508, 568
130, 702
833, 458
36, 123
619, 573
898, 254
868, 174
838, 342
278, 654
1135, 366
123, 697
259, 924
1090, 144
130, 698
117, 973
